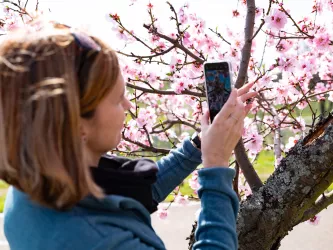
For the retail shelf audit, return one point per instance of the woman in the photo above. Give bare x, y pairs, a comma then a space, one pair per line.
62, 108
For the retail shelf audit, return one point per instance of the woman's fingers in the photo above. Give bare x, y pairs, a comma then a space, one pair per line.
247, 96
248, 107
239, 112
228, 107
243, 90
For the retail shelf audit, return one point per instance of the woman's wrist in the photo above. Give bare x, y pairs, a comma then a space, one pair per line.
209, 161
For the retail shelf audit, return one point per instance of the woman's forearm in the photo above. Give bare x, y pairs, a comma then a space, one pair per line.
219, 207
174, 168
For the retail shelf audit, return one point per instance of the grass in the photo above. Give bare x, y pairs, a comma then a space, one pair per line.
3, 192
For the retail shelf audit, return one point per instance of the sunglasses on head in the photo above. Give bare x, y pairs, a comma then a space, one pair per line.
87, 51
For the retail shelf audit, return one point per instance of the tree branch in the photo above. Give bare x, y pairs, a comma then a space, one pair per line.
299, 29
323, 202
249, 172
174, 42
20, 9
304, 174
169, 124
150, 57
164, 92
147, 148
241, 157
219, 35
246, 51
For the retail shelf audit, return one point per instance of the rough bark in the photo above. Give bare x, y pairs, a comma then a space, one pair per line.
289, 193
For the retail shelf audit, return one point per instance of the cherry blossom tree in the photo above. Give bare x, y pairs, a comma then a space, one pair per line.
290, 115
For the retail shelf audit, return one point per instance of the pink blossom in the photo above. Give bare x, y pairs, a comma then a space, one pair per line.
121, 33
154, 38
245, 188
277, 20
183, 18
299, 125
173, 63
193, 182
146, 117
173, 35
152, 77
162, 213
292, 142
235, 13
255, 143
320, 87
161, 45
284, 46
6, 9
318, 7
259, 12
314, 221
322, 41
199, 26
180, 85
182, 200
186, 39
286, 64
306, 66
329, 4
302, 104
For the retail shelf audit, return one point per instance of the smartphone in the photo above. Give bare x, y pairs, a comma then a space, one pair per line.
218, 84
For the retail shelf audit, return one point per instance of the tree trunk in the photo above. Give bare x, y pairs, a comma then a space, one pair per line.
307, 171
289, 195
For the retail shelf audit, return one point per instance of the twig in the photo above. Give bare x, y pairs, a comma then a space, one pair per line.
164, 92
174, 42
219, 35
323, 202
20, 9
148, 136
147, 148
299, 29
152, 56
259, 28
170, 124
176, 19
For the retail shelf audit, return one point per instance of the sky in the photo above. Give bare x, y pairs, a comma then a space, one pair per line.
91, 15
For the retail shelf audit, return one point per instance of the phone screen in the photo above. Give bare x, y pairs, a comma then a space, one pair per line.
218, 86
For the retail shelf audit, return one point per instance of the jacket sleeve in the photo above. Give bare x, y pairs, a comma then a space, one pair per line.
219, 207
124, 240
174, 168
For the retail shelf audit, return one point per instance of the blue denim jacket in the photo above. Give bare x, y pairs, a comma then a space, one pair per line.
121, 223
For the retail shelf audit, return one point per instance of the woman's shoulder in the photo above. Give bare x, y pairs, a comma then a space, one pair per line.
89, 222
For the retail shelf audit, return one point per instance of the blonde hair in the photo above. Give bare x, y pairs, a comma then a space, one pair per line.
40, 108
